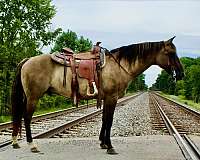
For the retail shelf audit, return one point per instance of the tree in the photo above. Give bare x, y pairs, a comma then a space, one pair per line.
70, 39
23, 30
137, 84
189, 87
165, 83
193, 76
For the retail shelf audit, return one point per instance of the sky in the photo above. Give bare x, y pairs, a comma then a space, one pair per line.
116, 23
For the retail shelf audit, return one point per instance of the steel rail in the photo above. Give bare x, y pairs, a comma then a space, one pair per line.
68, 125
49, 115
183, 106
187, 146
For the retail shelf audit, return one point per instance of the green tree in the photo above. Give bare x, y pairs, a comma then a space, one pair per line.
189, 87
193, 77
70, 39
23, 30
137, 84
165, 83
180, 88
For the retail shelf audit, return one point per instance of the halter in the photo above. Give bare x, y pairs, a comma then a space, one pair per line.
172, 67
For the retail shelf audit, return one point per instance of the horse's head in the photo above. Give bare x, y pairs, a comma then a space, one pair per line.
169, 61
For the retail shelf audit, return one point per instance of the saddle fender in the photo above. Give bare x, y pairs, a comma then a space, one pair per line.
87, 70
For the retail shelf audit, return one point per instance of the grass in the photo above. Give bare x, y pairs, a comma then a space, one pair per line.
182, 99
4, 119
48, 110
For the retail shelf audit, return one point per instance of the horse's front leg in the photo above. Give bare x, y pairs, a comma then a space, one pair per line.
109, 105
103, 132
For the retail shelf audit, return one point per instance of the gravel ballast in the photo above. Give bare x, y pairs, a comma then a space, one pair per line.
131, 119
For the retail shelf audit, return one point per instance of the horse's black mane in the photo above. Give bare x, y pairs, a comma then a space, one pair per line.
134, 51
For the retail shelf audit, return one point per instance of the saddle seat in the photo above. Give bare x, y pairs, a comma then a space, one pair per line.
86, 56
68, 54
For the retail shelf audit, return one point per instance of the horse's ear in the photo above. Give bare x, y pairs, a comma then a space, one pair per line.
170, 40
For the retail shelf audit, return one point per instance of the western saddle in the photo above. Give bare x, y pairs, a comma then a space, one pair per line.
86, 65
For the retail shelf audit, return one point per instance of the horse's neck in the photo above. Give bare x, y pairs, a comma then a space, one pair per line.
121, 74
133, 70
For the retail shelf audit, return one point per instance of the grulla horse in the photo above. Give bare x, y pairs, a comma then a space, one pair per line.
38, 75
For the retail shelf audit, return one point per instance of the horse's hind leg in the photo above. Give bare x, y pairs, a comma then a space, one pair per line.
16, 128
31, 104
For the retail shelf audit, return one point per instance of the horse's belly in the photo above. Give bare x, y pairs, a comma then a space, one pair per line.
57, 81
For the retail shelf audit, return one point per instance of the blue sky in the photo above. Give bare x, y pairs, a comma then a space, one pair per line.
116, 23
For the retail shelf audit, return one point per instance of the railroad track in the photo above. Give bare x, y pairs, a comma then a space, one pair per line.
52, 124
6, 128
167, 118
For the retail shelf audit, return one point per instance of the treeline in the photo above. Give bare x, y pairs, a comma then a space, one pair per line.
189, 87
138, 84
24, 29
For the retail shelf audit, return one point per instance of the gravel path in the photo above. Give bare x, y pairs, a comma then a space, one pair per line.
132, 119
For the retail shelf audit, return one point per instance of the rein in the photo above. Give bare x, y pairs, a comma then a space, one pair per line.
121, 65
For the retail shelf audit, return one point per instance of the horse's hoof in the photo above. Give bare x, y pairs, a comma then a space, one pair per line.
111, 151
103, 146
35, 150
16, 146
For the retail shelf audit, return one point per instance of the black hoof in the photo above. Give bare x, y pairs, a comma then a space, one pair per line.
111, 151
103, 146
35, 150
16, 146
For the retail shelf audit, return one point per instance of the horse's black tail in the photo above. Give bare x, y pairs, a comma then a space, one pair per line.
18, 99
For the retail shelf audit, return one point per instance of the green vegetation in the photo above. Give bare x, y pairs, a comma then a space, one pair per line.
188, 89
183, 100
24, 29
70, 39
138, 84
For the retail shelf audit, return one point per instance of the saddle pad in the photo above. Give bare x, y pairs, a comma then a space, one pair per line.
87, 70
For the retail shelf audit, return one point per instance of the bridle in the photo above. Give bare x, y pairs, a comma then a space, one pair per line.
170, 63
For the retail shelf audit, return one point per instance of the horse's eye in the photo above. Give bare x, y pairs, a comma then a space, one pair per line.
168, 44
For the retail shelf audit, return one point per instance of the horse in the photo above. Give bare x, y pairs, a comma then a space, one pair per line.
38, 75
